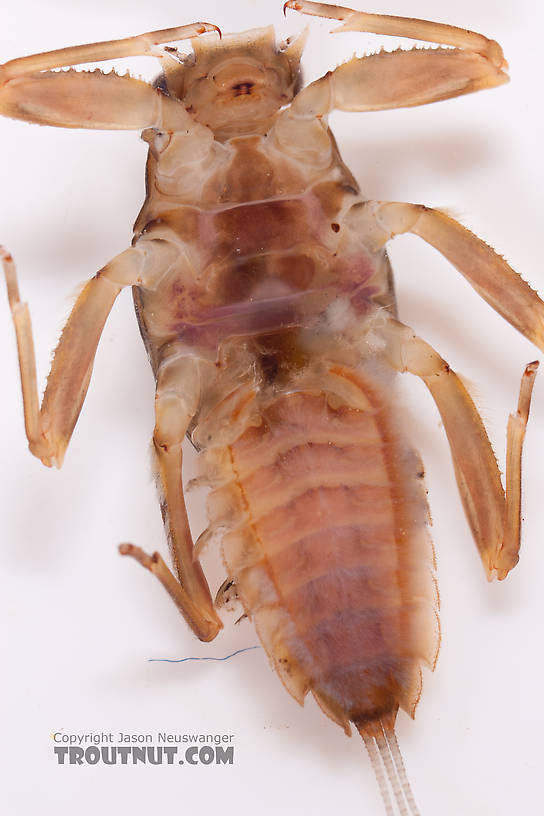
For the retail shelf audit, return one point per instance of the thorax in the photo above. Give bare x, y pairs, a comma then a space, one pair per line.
263, 247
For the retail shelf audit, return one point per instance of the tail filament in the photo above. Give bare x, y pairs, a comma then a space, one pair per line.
378, 771
381, 744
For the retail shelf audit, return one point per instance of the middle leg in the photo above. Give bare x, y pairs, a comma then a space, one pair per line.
49, 427
485, 270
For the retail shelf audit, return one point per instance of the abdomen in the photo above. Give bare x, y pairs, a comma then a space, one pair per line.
328, 544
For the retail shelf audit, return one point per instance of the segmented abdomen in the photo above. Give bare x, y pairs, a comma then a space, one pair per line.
329, 549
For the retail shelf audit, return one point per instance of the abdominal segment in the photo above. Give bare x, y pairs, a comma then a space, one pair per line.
327, 545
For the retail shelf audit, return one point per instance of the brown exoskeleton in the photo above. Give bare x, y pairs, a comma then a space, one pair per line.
220, 312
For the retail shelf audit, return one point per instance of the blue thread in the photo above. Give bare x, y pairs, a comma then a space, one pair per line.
183, 659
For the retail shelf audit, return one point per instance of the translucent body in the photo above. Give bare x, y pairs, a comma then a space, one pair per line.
265, 301
275, 294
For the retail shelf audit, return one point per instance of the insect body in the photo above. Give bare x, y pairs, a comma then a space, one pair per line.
265, 301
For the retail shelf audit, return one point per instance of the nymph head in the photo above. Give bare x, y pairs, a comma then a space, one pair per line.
237, 84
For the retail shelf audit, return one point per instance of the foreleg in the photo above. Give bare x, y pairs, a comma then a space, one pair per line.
31, 91
401, 78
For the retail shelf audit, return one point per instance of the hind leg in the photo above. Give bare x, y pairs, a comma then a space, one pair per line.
494, 514
176, 402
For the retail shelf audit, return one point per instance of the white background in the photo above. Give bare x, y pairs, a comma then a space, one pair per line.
79, 623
